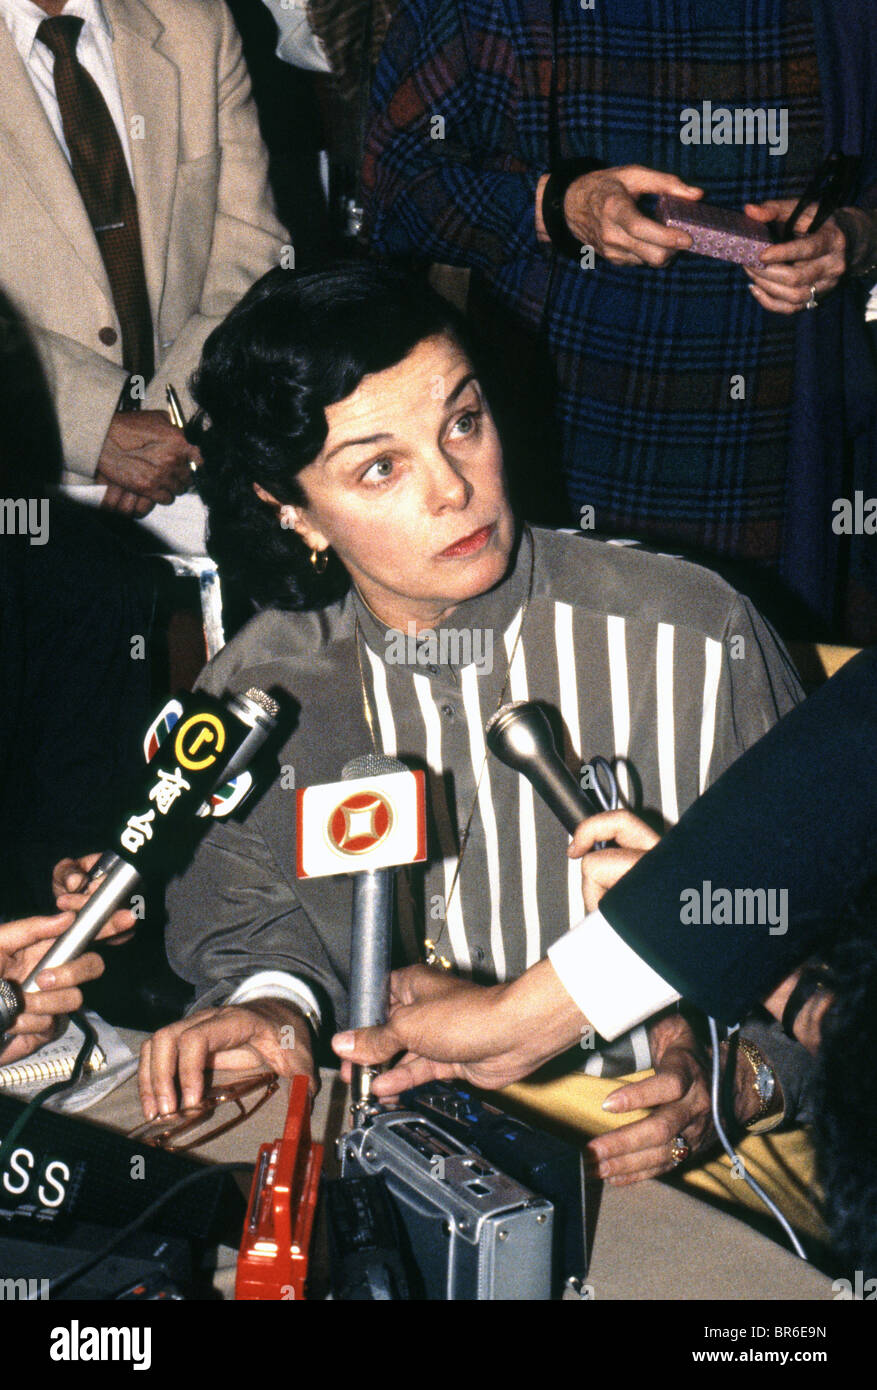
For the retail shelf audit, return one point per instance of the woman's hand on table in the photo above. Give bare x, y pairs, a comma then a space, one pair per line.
678, 1098
231, 1037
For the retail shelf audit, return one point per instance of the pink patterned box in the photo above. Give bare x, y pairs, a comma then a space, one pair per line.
716, 232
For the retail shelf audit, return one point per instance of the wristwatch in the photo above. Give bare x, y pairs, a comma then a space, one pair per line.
764, 1084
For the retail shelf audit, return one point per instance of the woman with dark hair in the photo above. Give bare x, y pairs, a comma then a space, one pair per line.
354, 475
295, 345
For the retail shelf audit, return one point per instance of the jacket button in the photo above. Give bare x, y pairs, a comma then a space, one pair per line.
108, 336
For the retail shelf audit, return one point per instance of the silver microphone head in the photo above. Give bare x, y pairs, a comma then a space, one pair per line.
519, 732
10, 1004
371, 765
255, 707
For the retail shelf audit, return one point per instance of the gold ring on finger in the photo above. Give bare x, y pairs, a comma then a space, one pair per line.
679, 1150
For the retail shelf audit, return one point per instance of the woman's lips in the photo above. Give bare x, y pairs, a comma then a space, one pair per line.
468, 545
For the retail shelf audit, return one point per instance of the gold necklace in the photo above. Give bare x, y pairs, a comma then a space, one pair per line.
432, 956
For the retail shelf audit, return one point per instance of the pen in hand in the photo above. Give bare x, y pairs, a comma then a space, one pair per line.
175, 411
174, 408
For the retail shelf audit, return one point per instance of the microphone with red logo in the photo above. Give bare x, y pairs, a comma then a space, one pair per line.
367, 824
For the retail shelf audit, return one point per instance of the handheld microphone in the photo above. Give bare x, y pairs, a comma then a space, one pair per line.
213, 741
370, 941
253, 708
520, 735
364, 825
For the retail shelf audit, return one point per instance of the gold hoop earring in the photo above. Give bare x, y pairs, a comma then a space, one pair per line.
319, 559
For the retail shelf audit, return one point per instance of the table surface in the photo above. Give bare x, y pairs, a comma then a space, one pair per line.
650, 1242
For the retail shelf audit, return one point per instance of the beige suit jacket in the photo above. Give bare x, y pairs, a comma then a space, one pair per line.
207, 223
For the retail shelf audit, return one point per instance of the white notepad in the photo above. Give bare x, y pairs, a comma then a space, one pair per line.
111, 1062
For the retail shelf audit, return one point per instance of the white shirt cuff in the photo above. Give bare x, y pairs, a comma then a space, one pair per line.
276, 984
613, 986
871, 306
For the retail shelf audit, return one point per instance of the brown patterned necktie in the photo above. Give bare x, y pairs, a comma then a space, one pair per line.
100, 170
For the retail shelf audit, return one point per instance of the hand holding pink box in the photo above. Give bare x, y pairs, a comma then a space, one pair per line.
717, 232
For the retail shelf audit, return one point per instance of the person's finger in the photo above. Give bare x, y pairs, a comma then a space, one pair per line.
120, 927
145, 1088
800, 275
417, 984
641, 1176
112, 496
414, 1072
641, 1164
195, 1047
75, 972
786, 293
656, 1131
622, 827
771, 303
665, 1086
809, 249
368, 1045
55, 1001
18, 936
125, 502
601, 870
772, 210
163, 1069
638, 180
640, 234
70, 875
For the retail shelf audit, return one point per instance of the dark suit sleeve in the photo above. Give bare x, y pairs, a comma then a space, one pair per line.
796, 814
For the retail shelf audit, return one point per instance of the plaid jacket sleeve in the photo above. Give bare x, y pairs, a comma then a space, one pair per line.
442, 178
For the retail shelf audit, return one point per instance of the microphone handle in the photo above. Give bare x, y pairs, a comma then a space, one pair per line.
369, 972
370, 947
560, 791
118, 885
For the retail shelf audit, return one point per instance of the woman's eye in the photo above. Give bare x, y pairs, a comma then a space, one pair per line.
378, 471
467, 423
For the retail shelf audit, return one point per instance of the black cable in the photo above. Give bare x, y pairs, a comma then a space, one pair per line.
89, 1042
85, 1266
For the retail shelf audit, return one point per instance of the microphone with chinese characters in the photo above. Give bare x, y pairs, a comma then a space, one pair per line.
211, 743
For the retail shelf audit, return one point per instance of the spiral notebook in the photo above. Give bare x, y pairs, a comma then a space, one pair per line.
111, 1062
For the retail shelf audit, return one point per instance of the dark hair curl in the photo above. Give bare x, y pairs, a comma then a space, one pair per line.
295, 344
845, 1108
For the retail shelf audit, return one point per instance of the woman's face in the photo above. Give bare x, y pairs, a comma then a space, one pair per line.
408, 489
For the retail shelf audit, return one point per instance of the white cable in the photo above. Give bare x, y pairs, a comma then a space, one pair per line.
731, 1152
